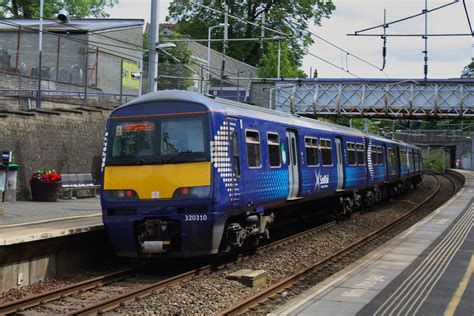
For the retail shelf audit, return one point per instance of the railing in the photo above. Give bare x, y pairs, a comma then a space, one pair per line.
376, 97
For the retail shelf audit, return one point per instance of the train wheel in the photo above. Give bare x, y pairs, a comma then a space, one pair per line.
251, 244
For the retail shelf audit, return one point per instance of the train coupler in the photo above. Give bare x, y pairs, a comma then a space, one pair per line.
158, 236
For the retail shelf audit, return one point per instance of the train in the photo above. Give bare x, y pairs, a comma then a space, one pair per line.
187, 175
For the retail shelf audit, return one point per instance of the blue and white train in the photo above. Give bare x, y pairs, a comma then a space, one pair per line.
189, 175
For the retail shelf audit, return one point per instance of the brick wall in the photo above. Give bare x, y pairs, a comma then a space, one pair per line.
69, 142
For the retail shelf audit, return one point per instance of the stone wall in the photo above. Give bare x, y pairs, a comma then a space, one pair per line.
18, 81
68, 140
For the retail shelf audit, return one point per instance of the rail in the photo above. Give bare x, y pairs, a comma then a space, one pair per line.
279, 287
31, 301
112, 303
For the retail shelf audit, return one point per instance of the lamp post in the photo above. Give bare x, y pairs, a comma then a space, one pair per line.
40, 49
163, 47
279, 52
153, 54
62, 16
209, 52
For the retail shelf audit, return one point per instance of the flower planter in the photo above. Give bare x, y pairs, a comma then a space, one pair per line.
45, 191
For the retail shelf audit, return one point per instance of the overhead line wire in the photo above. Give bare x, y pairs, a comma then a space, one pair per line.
7, 22
339, 48
334, 65
239, 18
407, 18
467, 16
319, 37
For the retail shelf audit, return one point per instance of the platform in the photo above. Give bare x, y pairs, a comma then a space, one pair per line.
26, 221
426, 270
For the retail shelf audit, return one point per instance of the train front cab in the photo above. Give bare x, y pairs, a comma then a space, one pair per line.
157, 196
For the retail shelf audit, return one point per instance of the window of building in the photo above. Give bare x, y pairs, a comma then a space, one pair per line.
273, 142
254, 156
351, 154
360, 154
312, 151
326, 152
373, 154
235, 155
379, 155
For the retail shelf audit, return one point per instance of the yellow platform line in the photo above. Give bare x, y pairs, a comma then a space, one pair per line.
50, 220
456, 299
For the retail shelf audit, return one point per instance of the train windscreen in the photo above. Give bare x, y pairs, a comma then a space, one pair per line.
158, 140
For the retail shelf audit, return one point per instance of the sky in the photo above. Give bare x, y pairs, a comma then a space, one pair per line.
447, 56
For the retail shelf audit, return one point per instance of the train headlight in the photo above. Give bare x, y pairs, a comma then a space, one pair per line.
121, 194
192, 192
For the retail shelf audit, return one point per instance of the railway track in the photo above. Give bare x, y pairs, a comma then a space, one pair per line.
112, 303
282, 286
31, 301
154, 288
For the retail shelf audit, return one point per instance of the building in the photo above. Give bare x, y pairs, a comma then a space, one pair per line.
85, 49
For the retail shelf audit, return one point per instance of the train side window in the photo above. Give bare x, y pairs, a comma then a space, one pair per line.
273, 141
351, 154
254, 156
235, 155
373, 154
403, 157
326, 152
392, 158
312, 151
379, 155
360, 154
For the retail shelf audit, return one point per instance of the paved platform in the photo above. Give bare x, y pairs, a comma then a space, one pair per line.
426, 270
25, 221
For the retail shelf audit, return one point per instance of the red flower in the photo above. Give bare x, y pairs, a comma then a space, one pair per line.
46, 175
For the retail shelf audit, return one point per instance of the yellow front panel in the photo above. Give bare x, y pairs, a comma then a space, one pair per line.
147, 180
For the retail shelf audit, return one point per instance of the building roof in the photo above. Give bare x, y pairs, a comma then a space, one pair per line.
74, 25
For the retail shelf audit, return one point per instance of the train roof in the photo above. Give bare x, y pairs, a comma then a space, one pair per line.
246, 110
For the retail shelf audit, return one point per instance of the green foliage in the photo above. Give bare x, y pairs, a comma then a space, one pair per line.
288, 67
169, 66
289, 16
76, 8
468, 71
358, 123
433, 159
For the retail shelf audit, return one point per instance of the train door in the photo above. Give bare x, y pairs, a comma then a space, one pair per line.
340, 164
399, 161
385, 160
293, 173
236, 145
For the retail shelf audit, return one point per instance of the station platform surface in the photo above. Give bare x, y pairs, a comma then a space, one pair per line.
25, 221
426, 270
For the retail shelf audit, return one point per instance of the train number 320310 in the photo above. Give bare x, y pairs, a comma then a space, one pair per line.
195, 218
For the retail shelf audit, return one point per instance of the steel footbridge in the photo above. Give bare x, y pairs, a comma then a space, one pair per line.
398, 98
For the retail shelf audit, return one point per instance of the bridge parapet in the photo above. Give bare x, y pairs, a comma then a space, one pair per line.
376, 97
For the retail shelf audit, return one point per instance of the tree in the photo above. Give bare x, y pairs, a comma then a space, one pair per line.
269, 67
468, 71
289, 16
172, 63
76, 8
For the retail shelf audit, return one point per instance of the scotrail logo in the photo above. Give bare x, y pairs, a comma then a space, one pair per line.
324, 180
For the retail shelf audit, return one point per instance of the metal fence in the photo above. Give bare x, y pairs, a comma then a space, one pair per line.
70, 64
